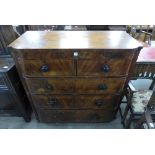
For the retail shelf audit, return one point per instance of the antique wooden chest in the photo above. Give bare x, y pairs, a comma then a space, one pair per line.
75, 76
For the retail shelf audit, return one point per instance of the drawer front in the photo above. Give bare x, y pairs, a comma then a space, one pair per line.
44, 54
99, 85
48, 54
76, 102
57, 67
75, 85
79, 116
103, 68
115, 55
51, 85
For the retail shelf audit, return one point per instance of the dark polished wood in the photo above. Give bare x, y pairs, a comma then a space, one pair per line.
75, 40
50, 85
56, 67
75, 76
7, 35
78, 116
13, 99
105, 55
48, 55
115, 68
75, 101
75, 85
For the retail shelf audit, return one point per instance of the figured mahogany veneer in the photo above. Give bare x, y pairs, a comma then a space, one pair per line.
76, 116
56, 67
75, 76
75, 85
75, 101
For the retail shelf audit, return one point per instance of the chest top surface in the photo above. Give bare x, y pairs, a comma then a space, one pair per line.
75, 40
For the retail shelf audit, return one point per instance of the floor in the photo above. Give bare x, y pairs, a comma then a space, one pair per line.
19, 123
152, 43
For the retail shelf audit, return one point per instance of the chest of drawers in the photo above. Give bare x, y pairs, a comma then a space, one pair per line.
75, 76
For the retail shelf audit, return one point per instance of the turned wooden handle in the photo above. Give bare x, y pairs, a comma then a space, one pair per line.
102, 86
44, 68
52, 101
105, 68
99, 103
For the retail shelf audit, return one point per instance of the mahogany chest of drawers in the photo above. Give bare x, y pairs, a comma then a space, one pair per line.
75, 76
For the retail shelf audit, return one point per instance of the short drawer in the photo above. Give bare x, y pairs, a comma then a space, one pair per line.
44, 54
75, 116
103, 68
76, 101
56, 67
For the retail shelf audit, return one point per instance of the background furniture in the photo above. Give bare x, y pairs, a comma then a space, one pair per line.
13, 100
7, 35
97, 27
23, 28
75, 76
144, 69
106, 27
137, 102
145, 65
147, 120
45, 27
75, 28
143, 33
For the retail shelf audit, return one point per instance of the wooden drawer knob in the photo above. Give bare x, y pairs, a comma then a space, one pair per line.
105, 68
52, 101
49, 87
44, 68
99, 103
102, 86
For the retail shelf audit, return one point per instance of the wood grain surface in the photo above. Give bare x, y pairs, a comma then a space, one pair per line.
75, 76
75, 40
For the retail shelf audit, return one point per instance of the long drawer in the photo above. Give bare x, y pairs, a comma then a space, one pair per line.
81, 116
76, 101
43, 54
75, 85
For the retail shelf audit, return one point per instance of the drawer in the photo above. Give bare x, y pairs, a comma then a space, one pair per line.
99, 85
115, 55
48, 54
51, 85
103, 68
76, 101
75, 85
38, 68
75, 116
44, 54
